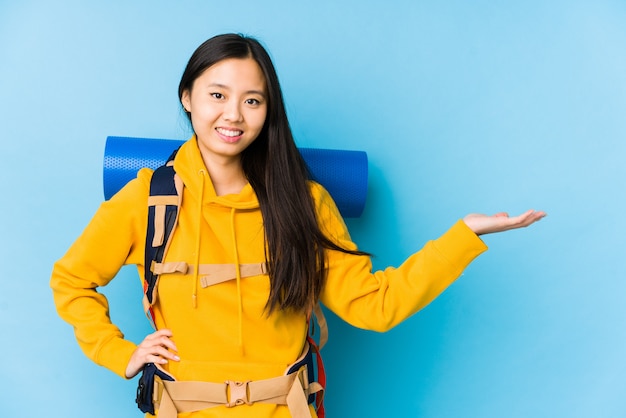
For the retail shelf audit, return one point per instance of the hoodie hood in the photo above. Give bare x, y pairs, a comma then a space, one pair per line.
191, 168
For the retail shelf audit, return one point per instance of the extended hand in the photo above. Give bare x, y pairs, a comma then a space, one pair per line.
485, 224
155, 348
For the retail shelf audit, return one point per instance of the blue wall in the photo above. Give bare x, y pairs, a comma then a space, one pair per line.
462, 107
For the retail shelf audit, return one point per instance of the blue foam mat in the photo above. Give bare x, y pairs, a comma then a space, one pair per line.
343, 173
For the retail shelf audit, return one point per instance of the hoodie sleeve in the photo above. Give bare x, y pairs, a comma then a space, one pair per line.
380, 300
114, 237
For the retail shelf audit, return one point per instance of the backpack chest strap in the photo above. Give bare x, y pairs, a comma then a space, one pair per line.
211, 274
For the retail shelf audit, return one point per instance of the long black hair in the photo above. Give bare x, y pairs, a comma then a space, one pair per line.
295, 245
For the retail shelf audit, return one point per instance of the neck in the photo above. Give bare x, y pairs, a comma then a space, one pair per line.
227, 176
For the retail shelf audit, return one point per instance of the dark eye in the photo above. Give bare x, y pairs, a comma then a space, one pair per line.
217, 95
253, 102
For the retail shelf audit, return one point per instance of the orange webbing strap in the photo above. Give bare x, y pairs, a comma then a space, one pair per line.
160, 203
211, 273
321, 322
219, 273
291, 390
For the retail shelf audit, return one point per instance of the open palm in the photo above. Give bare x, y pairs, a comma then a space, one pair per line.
487, 224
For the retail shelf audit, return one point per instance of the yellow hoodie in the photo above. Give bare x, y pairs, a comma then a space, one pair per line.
222, 331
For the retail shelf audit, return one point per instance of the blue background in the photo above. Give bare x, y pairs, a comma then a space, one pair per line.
461, 106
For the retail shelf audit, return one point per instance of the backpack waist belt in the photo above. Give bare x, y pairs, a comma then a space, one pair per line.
292, 390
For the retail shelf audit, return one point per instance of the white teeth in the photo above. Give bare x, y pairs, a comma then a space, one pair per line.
228, 132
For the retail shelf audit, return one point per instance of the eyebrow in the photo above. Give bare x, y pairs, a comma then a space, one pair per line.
223, 86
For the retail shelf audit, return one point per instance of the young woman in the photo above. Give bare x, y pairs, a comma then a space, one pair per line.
247, 205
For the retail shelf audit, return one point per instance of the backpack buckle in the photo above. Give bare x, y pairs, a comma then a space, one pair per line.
238, 393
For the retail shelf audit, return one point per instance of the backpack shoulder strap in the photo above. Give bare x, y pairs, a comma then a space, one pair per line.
312, 358
322, 324
166, 193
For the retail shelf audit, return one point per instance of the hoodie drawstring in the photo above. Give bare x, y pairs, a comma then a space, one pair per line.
238, 277
196, 271
196, 275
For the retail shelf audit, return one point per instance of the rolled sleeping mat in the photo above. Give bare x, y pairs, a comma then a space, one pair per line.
343, 173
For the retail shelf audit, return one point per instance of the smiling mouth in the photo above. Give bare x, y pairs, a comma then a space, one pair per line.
231, 133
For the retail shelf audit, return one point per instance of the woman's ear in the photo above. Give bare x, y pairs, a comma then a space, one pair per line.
185, 100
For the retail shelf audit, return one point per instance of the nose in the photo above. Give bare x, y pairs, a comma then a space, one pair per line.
232, 111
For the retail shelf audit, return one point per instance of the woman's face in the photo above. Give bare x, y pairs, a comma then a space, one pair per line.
228, 106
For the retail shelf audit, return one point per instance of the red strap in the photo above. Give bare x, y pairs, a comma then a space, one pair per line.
321, 378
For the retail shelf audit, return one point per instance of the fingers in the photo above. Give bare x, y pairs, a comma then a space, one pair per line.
527, 218
533, 215
161, 337
157, 348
